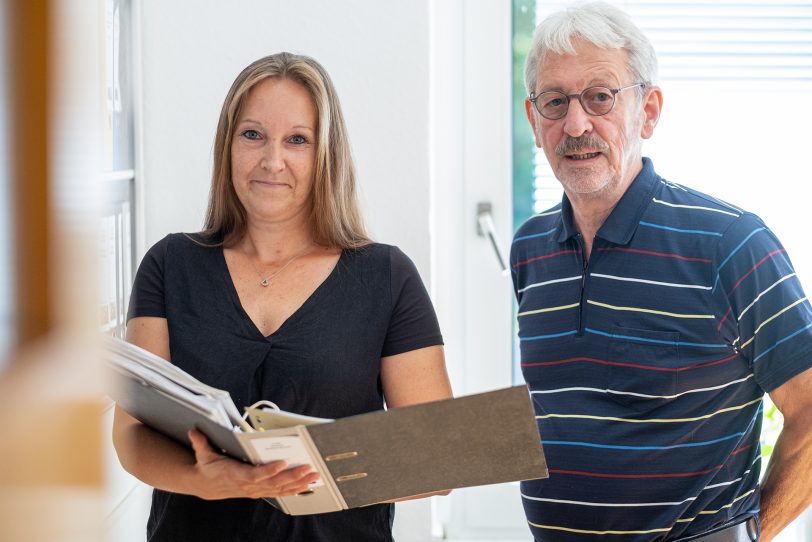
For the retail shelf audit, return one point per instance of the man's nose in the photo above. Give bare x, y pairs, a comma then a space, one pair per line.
577, 122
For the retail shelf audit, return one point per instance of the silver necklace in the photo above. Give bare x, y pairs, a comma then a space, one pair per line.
265, 281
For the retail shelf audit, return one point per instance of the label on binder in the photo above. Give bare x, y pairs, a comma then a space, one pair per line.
287, 448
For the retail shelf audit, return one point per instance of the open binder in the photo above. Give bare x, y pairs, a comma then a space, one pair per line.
380, 456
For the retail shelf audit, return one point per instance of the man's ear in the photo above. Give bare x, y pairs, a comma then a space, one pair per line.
530, 110
652, 105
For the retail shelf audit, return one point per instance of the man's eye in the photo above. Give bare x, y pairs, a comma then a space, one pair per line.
251, 134
554, 102
298, 140
599, 97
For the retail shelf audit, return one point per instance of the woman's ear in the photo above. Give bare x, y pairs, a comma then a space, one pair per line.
652, 106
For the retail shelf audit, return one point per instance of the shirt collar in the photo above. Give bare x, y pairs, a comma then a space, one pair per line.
622, 222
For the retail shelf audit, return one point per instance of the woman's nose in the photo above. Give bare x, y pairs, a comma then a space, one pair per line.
272, 158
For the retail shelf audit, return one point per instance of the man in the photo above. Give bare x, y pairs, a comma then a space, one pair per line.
652, 318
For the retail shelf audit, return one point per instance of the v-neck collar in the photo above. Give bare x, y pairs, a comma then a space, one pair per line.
313, 299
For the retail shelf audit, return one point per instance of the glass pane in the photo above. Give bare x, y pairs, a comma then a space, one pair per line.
116, 257
119, 84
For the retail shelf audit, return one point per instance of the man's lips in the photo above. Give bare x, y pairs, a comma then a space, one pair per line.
583, 156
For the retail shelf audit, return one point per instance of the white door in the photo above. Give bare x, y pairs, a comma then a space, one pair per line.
471, 165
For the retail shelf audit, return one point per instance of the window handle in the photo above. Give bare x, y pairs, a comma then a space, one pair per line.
485, 228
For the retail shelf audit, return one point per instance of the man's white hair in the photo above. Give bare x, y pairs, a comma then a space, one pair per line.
599, 23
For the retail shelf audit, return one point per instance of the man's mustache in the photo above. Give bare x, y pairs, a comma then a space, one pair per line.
572, 145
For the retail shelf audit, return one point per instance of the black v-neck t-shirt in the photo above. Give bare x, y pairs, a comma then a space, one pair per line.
324, 360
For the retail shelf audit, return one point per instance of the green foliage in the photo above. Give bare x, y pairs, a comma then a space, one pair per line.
771, 426
524, 22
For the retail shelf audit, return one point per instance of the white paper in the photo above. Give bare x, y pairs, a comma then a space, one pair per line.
288, 448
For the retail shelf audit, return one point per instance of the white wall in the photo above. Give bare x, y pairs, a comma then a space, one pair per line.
378, 56
750, 159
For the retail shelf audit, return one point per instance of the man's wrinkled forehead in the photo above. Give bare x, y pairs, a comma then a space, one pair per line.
587, 63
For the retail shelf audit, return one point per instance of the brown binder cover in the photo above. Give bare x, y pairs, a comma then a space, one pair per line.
475, 440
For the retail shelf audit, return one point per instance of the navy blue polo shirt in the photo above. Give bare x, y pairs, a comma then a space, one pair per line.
648, 363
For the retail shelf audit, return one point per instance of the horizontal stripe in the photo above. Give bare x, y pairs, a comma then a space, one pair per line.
633, 365
697, 207
734, 501
653, 475
655, 341
753, 269
533, 236
724, 319
549, 309
770, 319
551, 336
782, 341
657, 254
711, 512
656, 475
548, 282
760, 295
729, 483
553, 255
653, 282
624, 447
679, 230
733, 253
651, 420
719, 202
608, 504
582, 531
547, 213
642, 395
740, 245
649, 311
636, 476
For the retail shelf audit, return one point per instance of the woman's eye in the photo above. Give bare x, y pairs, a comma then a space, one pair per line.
298, 140
251, 134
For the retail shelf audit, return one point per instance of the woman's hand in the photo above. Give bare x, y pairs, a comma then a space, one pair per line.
225, 478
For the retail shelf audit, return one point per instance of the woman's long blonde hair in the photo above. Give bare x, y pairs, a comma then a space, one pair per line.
335, 218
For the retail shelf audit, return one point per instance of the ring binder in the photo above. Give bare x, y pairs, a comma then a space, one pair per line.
393, 454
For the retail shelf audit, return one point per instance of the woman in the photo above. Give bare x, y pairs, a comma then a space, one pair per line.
282, 297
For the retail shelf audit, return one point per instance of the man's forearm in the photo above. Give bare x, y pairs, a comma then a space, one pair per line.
787, 489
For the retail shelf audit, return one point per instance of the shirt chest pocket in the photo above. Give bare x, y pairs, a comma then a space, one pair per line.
645, 367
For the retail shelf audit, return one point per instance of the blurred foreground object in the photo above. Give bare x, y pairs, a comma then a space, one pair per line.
51, 472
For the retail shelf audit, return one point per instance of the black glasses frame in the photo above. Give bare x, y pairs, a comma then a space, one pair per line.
568, 97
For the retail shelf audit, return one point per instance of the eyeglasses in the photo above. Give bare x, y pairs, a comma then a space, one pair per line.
596, 101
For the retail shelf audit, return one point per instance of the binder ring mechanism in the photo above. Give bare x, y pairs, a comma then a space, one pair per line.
333, 457
259, 404
346, 477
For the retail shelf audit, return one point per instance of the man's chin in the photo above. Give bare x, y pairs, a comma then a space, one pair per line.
585, 184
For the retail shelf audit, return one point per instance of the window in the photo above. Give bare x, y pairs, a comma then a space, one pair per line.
117, 215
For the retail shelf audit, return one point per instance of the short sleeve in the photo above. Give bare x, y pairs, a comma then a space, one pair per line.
147, 297
766, 301
413, 323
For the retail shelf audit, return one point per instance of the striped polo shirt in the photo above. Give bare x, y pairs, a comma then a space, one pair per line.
647, 364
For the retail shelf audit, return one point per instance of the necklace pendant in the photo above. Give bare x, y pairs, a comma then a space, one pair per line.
265, 282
